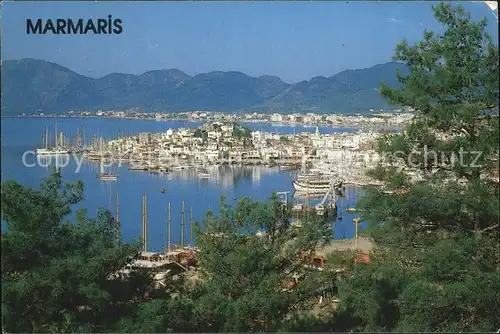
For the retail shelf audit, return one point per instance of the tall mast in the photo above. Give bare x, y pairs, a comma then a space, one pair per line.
117, 218
109, 204
168, 229
191, 226
55, 133
84, 137
144, 223
46, 137
77, 142
182, 224
142, 233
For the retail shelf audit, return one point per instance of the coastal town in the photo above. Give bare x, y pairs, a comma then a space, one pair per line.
346, 154
150, 185
323, 157
393, 119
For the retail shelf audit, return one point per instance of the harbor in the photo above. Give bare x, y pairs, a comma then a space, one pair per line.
231, 181
181, 257
60, 145
343, 157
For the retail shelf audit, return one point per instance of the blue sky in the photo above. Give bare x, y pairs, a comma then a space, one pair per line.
292, 40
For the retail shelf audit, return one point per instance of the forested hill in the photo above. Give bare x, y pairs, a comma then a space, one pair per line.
30, 86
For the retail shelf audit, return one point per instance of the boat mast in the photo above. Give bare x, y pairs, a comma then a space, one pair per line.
109, 203
117, 218
77, 140
144, 223
168, 229
46, 137
182, 224
55, 133
191, 226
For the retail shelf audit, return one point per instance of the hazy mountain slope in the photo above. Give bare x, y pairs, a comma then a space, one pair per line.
347, 91
30, 86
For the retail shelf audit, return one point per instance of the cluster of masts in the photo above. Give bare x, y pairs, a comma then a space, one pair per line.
60, 144
168, 244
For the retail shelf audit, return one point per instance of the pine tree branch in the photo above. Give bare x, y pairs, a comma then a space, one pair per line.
489, 228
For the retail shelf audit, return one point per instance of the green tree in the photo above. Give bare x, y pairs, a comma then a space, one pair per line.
240, 131
57, 275
435, 267
244, 275
198, 133
284, 139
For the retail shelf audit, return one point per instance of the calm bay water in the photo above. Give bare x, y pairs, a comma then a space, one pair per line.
258, 182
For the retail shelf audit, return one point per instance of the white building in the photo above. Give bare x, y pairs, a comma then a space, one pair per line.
214, 134
276, 118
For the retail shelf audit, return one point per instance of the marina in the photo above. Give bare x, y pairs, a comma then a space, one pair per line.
231, 181
216, 144
61, 145
182, 257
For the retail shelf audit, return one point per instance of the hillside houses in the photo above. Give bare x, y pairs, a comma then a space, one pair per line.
221, 142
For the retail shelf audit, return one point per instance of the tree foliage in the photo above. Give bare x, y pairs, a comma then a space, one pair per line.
435, 266
240, 131
55, 274
435, 222
61, 276
244, 275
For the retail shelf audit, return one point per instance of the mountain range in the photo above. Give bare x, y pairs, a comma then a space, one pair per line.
32, 86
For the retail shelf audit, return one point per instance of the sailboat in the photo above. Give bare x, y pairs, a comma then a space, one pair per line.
78, 146
103, 176
56, 150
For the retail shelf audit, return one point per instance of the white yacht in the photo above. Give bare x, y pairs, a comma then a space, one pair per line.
51, 151
315, 182
103, 176
48, 151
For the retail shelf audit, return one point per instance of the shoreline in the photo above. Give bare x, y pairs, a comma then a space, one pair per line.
273, 124
139, 165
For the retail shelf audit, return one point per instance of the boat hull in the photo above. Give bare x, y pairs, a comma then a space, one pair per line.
311, 187
47, 152
107, 177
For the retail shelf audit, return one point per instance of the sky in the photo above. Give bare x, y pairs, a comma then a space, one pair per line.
292, 40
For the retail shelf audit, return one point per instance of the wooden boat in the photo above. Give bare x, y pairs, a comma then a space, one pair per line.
315, 185
103, 176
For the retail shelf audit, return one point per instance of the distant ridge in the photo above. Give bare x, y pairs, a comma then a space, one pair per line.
30, 86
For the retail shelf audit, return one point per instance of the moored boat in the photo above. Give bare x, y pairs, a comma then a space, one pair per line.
315, 185
103, 176
51, 151
55, 150
108, 177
